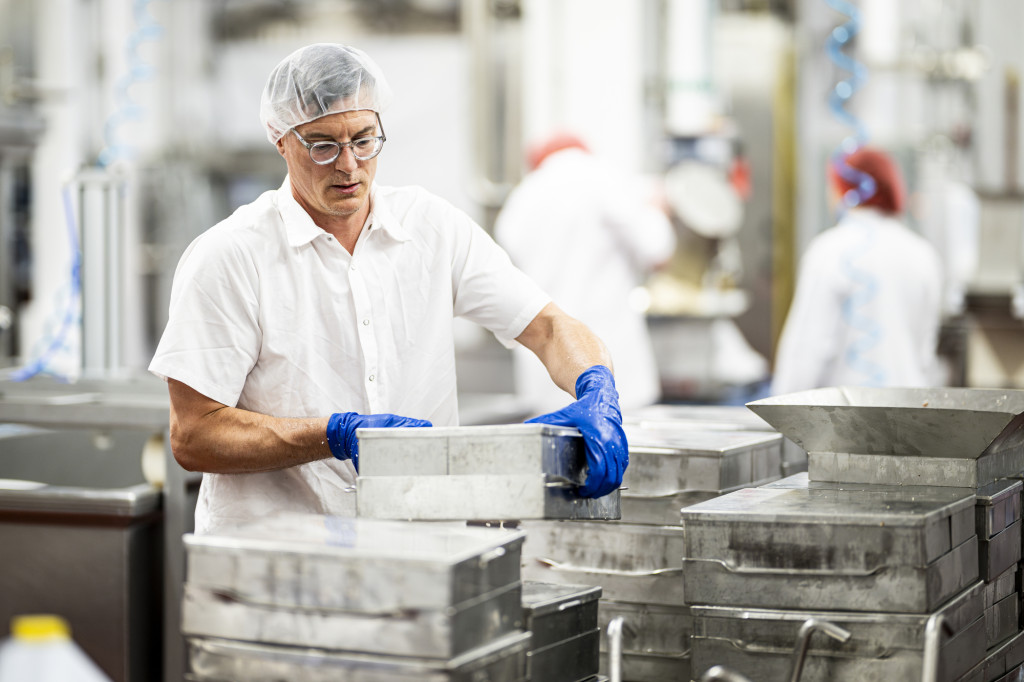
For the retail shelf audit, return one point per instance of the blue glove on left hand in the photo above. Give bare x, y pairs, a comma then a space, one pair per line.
341, 431
596, 414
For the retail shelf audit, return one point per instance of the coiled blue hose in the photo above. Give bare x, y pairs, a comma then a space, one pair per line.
146, 28
865, 333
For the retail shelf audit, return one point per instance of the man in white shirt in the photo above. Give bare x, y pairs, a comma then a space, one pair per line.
868, 303
327, 305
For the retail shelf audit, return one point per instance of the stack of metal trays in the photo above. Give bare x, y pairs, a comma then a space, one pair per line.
888, 550
670, 468
998, 523
476, 473
1004, 663
638, 569
565, 636
956, 437
716, 418
308, 590
759, 643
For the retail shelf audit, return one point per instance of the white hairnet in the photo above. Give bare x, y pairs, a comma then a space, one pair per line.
318, 80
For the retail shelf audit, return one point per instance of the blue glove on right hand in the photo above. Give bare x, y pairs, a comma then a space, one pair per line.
341, 431
596, 414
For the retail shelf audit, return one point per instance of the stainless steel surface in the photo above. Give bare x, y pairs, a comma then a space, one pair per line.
651, 628
418, 632
615, 649
553, 612
803, 641
917, 470
666, 463
999, 553
215, 660
934, 633
651, 667
479, 497
830, 548
663, 510
998, 506
631, 562
1002, 620
1000, 660
459, 450
704, 417
1003, 586
720, 674
355, 565
569, 660
883, 646
939, 422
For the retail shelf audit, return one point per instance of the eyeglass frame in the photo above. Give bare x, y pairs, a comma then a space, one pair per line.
342, 145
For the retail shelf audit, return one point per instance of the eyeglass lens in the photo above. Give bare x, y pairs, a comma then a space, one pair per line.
363, 149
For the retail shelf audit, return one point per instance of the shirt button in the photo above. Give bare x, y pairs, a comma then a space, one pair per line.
366, 322
372, 377
352, 267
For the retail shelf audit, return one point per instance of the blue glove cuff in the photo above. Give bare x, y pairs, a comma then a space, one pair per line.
593, 377
337, 435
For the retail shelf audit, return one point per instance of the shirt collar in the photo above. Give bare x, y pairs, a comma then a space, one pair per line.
301, 230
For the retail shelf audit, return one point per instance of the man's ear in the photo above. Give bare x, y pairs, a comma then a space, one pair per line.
280, 146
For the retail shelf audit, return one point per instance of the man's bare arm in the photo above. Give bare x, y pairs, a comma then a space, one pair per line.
209, 436
564, 345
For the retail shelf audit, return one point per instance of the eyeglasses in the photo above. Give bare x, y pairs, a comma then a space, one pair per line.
363, 148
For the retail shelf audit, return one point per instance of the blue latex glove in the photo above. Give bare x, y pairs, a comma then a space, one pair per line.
341, 431
596, 414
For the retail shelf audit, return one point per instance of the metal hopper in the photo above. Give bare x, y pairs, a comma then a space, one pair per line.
915, 436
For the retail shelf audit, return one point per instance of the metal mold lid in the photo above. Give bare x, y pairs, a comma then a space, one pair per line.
963, 423
890, 507
458, 432
997, 491
801, 480
128, 502
541, 598
688, 442
427, 542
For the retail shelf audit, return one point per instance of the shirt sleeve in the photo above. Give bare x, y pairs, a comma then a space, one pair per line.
487, 288
212, 338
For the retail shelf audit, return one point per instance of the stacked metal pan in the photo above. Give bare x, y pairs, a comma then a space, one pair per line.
476, 473
637, 561
323, 598
562, 620
894, 537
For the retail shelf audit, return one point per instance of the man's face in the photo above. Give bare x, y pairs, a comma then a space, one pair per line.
339, 189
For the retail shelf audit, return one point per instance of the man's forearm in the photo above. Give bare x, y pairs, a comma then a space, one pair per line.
565, 346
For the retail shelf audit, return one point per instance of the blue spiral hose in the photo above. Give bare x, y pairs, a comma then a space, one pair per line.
865, 333
146, 29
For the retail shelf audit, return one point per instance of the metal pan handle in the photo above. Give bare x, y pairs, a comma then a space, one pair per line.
558, 566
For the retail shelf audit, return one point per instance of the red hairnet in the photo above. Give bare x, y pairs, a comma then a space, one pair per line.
890, 194
538, 151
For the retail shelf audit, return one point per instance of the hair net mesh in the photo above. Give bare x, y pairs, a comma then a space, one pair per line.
318, 80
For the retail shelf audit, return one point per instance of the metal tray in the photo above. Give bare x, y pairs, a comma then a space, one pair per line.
479, 497
998, 506
461, 450
443, 633
917, 470
759, 642
1002, 620
649, 628
999, 553
1003, 586
570, 660
663, 510
999, 661
631, 562
216, 660
355, 565
809, 547
554, 612
666, 462
651, 667
704, 417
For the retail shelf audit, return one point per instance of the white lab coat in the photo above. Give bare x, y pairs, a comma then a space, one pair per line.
587, 235
867, 309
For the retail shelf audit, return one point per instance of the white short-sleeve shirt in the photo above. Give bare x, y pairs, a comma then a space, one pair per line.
271, 314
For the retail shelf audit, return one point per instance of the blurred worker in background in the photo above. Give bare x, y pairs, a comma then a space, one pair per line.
589, 234
327, 305
868, 301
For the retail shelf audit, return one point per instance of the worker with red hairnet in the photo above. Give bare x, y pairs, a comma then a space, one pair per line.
867, 307
589, 234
